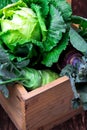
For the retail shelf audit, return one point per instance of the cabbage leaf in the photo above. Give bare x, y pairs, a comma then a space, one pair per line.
3, 3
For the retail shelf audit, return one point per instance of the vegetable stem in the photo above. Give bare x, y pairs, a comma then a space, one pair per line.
11, 80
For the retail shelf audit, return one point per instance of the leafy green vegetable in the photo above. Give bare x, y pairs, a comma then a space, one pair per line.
53, 55
19, 25
7, 74
32, 33
77, 41
64, 7
32, 78
37, 9
48, 76
82, 26
56, 28
3, 3
82, 22
43, 4
36, 78
29, 77
37, 22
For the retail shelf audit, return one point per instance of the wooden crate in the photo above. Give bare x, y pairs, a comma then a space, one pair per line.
42, 108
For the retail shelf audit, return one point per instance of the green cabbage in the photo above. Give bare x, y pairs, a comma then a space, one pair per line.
32, 78
19, 24
48, 76
43, 23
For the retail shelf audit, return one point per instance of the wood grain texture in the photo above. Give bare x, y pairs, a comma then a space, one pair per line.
77, 122
52, 105
14, 106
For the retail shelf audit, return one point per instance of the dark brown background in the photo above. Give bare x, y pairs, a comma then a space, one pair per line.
80, 7
78, 122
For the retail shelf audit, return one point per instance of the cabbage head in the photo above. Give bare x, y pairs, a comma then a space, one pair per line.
33, 78
18, 25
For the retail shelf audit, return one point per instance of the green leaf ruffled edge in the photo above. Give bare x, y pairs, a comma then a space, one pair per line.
64, 7
52, 56
44, 4
57, 26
